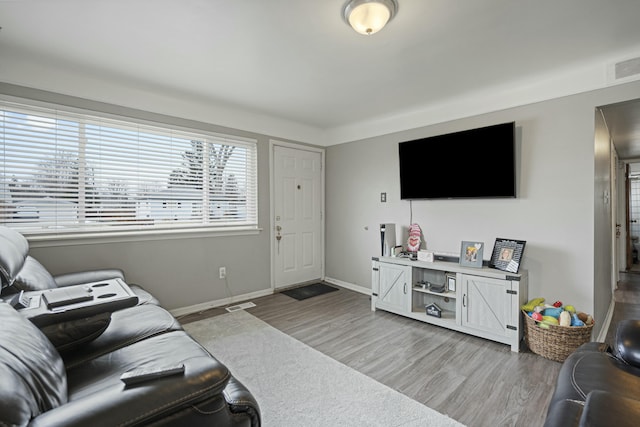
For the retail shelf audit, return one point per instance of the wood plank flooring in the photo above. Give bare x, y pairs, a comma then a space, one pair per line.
475, 381
627, 301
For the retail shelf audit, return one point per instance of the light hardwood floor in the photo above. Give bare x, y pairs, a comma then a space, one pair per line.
475, 381
627, 301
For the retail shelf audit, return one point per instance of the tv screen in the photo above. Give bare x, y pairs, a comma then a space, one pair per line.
475, 163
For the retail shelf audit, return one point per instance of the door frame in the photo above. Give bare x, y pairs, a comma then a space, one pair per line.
615, 214
272, 217
627, 219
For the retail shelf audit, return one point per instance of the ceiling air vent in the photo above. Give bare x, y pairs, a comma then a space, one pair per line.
624, 71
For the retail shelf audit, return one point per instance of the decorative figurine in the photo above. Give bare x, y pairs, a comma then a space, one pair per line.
413, 244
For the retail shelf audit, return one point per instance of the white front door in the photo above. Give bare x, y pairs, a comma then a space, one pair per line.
297, 214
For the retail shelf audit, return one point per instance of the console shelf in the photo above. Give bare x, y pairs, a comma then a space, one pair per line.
103, 296
441, 294
485, 303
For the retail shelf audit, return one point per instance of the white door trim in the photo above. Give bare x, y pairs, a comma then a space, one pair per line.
272, 227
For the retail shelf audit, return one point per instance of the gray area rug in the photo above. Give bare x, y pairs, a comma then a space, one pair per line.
296, 385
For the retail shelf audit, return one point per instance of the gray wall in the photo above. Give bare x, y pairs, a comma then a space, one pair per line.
179, 272
566, 226
557, 212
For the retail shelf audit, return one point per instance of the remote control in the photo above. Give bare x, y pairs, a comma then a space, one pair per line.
139, 375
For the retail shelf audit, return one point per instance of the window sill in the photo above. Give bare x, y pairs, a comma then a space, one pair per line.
71, 239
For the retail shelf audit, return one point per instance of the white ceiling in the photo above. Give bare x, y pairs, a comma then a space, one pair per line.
296, 61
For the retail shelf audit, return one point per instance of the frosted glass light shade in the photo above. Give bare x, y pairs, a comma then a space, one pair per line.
369, 16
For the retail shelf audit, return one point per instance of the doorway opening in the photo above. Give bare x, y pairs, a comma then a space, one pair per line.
633, 205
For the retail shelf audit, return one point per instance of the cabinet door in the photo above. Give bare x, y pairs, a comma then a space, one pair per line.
395, 287
486, 304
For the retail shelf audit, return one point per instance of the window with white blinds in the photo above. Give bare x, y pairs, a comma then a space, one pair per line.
67, 172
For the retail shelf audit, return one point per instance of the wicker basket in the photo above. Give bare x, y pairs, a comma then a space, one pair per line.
556, 342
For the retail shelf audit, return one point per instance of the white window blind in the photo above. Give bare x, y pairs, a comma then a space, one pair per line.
69, 172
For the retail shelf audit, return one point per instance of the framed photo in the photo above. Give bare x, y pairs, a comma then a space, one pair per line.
451, 281
507, 254
471, 254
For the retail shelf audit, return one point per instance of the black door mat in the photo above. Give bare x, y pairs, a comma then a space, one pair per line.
309, 291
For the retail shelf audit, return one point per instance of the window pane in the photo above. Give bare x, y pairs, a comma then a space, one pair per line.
69, 172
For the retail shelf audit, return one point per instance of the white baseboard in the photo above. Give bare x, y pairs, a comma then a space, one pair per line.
347, 285
602, 336
177, 312
183, 311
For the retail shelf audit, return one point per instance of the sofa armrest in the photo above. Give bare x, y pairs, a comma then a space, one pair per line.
564, 413
82, 277
199, 391
606, 409
627, 342
600, 409
241, 401
77, 302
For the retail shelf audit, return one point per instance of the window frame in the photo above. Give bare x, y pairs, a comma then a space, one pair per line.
77, 235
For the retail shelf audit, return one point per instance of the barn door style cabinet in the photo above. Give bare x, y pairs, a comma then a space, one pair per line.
484, 302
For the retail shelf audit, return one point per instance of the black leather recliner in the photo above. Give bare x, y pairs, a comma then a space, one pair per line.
68, 373
599, 385
29, 275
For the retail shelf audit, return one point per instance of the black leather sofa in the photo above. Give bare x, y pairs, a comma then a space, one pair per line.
68, 372
599, 385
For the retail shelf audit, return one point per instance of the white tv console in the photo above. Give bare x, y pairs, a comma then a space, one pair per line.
486, 302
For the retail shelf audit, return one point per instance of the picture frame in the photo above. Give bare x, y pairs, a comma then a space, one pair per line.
471, 254
507, 254
450, 279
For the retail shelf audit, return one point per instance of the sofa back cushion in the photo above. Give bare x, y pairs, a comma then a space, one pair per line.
13, 252
33, 277
32, 375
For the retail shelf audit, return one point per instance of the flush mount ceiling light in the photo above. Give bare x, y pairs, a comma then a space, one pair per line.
369, 16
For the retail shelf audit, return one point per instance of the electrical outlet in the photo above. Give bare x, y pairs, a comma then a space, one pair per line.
223, 272
383, 197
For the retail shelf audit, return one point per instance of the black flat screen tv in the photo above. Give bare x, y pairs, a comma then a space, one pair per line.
475, 163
